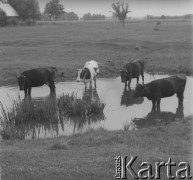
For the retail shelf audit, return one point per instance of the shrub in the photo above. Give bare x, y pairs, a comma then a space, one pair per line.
13, 22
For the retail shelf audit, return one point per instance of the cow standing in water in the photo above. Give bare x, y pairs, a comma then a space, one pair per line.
88, 73
35, 78
162, 88
132, 70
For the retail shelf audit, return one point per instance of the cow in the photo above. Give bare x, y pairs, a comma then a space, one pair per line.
132, 70
88, 73
35, 78
162, 88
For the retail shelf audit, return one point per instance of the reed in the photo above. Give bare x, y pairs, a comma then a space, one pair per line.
71, 105
49, 110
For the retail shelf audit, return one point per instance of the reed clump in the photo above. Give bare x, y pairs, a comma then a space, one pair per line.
49, 110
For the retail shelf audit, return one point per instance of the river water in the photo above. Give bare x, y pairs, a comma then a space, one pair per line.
121, 110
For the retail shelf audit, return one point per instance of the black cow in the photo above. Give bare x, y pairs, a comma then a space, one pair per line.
161, 88
35, 78
132, 70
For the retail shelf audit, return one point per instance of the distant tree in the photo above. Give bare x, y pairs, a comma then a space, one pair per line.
163, 17
27, 9
90, 16
69, 16
120, 11
3, 18
54, 9
87, 16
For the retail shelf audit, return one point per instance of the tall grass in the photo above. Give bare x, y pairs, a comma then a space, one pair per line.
71, 105
49, 110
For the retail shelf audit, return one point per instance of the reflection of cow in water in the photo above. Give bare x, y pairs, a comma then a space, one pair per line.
90, 95
127, 98
157, 117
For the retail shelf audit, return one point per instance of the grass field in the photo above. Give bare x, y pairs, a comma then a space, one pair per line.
91, 155
68, 45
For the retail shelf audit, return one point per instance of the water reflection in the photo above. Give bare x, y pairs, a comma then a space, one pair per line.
32, 130
54, 127
90, 95
127, 98
155, 118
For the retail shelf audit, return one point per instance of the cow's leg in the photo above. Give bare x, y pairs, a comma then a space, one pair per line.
153, 105
52, 87
125, 84
29, 92
137, 80
129, 84
158, 104
95, 82
180, 98
142, 75
25, 92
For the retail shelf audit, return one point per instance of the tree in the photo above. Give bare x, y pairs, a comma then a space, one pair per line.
88, 16
68, 16
120, 11
3, 18
54, 9
27, 9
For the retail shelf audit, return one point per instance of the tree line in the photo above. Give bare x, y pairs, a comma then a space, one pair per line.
29, 12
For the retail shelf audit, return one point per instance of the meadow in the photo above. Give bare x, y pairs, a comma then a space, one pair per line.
67, 46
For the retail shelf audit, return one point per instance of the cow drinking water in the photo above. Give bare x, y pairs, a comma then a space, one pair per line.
88, 73
132, 70
35, 78
162, 88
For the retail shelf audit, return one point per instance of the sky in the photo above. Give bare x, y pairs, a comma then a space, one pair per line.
139, 8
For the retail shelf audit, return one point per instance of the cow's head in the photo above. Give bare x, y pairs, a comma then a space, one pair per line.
21, 81
78, 75
141, 91
85, 74
123, 73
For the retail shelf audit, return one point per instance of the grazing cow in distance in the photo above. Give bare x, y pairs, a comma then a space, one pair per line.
88, 73
132, 70
35, 78
162, 88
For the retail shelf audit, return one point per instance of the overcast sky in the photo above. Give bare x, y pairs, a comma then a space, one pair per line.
139, 8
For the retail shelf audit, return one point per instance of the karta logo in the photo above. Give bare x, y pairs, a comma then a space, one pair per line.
124, 169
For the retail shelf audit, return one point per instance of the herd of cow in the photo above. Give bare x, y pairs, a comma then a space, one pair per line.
154, 90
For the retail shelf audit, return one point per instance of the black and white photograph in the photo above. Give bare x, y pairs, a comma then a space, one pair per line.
96, 89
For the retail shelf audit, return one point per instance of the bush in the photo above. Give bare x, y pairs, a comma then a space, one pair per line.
30, 22
3, 18
13, 22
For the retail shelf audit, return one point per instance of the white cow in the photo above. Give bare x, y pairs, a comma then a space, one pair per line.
88, 73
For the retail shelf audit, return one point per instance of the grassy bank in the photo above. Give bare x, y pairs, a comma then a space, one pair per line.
91, 155
67, 46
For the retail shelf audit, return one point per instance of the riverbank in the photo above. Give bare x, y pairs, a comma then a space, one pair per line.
91, 155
